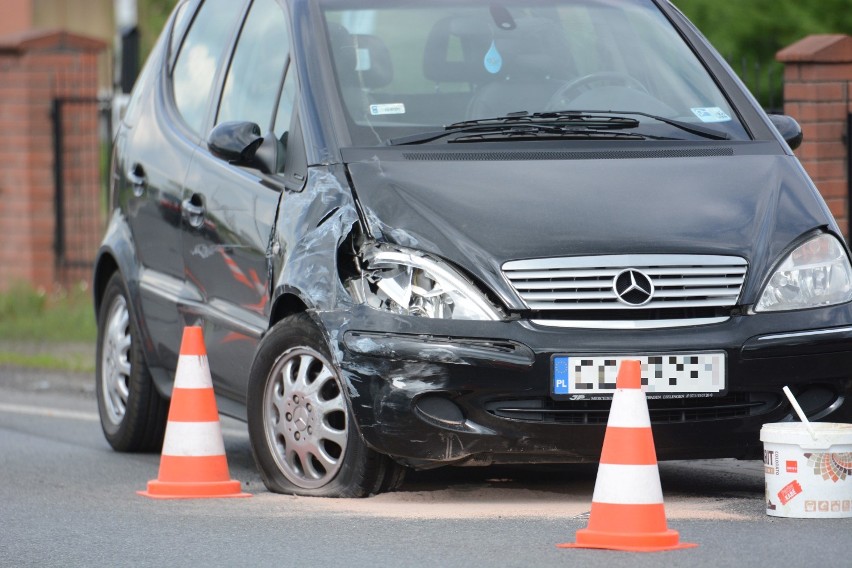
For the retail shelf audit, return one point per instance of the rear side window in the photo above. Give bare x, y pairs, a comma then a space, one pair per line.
199, 58
251, 88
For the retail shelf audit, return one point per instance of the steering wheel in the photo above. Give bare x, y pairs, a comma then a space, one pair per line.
572, 89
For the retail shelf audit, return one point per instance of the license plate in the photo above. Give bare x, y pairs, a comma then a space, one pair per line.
670, 375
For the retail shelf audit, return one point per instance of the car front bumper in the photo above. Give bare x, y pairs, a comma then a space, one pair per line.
436, 392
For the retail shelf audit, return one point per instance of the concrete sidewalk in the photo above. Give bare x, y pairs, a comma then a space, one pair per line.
32, 380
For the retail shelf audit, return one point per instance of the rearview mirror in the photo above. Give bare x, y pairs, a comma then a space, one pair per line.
235, 142
788, 128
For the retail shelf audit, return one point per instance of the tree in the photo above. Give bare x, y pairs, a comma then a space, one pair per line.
152, 17
755, 30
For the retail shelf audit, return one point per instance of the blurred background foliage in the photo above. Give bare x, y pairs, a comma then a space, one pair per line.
748, 33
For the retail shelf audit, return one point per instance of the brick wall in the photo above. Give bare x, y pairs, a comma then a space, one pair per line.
36, 68
818, 93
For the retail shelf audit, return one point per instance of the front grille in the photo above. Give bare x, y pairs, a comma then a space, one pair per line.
584, 288
662, 411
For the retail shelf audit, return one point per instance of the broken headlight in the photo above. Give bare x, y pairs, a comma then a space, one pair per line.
409, 283
815, 274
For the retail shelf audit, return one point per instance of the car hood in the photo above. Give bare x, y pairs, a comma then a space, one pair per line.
482, 213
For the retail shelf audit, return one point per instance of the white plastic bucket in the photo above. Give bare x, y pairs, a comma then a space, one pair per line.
807, 478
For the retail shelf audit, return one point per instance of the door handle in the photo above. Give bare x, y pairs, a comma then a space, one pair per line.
137, 178
193, 210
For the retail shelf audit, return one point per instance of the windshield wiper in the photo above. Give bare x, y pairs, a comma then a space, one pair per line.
524, 124
548, 134
696, 129
578, 119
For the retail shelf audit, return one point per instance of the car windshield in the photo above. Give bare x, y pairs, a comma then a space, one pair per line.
408, 68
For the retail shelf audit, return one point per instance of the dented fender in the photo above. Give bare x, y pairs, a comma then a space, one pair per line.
310, 226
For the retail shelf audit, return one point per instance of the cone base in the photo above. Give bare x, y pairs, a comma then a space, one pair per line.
650, 542
197, 490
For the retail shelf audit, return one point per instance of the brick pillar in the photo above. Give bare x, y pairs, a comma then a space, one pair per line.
818, 93
36, 68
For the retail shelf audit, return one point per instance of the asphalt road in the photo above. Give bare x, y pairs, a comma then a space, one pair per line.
66, 499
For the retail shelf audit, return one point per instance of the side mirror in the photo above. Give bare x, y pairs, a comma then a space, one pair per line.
788, 128
235, 142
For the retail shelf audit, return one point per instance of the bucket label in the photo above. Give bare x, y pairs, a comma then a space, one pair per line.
789, 491
833, 467
770, 462
834, 506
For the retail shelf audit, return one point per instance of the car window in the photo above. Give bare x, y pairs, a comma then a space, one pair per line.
199, 58
143, 84
405, 68
182, 14
254, 77
285, 106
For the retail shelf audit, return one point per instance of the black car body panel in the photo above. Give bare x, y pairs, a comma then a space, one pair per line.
232, 248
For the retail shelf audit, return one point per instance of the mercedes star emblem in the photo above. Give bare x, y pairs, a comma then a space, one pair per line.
633, 287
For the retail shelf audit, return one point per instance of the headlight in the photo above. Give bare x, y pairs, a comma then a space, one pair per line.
409, 283
815, 274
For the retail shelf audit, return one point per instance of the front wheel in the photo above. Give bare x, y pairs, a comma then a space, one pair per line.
302, 432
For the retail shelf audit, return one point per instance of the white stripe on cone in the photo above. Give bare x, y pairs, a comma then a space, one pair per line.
628, 485
184, 439
629, 409
193, 372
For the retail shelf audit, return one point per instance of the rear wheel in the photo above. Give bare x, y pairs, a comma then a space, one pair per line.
133, 414
302, 433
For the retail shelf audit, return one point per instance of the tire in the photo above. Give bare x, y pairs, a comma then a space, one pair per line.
303, 436
133, 414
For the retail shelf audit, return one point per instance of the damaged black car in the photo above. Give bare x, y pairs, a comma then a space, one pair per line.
421, 233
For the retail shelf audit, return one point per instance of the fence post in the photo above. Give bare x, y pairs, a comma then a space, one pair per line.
58, 184
817, 89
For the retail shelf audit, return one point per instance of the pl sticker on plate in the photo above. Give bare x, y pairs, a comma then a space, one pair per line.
711, 114
392, 108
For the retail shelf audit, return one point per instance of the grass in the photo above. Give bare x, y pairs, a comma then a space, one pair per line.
36, 327
58, 362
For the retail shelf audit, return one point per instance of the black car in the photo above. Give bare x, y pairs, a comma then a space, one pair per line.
425, 232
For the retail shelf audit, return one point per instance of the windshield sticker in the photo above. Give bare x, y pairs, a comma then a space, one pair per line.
711, 114
493, 60
362, 60
392, 108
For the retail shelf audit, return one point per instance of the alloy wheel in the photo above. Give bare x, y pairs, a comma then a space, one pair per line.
305, 419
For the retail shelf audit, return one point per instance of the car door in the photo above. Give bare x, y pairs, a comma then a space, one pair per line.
230, 210
156, 143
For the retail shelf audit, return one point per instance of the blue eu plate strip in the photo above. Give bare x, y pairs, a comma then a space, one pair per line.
561, 375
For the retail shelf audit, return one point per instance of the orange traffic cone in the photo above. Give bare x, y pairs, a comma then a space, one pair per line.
193, 464
627, 506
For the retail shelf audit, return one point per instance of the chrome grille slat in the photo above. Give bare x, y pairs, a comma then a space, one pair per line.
618, 306
586, 283
624, 260
689, 281
567, 274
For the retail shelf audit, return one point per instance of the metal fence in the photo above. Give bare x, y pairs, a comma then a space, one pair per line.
764, 79
81, 134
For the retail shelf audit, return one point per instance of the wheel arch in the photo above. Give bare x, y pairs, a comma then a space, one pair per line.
105, 267
286, 304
